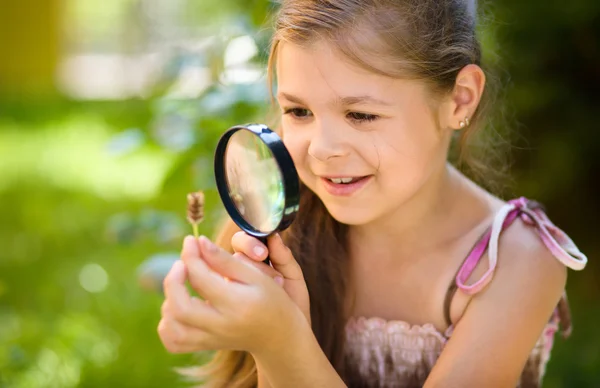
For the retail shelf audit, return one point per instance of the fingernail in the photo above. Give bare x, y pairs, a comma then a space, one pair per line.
210, 246
190, 245
259, 251
279, 280
187, 240
177, 265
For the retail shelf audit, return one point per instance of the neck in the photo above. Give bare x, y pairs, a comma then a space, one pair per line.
447, 206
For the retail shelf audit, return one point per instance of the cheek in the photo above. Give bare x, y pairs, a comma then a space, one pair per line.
297, 145
410, 149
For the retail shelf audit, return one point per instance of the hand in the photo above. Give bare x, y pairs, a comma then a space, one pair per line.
247, 310
283, 262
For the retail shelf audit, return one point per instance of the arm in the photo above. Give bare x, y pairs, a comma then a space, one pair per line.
301, 363
294, 285
501, 324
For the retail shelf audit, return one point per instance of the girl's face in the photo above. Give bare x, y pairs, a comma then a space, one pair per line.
341, 122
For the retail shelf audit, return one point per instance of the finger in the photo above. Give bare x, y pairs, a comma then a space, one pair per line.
178, 302
174, 283
190, 249
282, 259
284, 262
193, 312
248, 245
206, 282
256, 251
179, 338
264, 268
227, 265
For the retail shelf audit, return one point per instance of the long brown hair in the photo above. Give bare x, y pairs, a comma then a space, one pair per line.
428, 40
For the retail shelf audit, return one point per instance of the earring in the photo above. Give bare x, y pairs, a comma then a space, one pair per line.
465, 123
461, 124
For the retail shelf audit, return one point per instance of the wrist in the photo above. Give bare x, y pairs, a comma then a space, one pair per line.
295, 338
298, 361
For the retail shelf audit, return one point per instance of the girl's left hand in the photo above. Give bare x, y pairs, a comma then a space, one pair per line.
245, 310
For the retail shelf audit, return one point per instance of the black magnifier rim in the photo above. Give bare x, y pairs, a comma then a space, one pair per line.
291, 184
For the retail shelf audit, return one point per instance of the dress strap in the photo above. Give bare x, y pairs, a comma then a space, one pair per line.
479, 246
557, 241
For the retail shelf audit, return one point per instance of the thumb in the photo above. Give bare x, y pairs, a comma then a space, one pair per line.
282, 259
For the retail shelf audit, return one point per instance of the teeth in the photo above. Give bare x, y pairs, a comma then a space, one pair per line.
341, 180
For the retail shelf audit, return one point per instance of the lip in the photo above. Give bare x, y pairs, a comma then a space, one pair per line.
341, 176
344, 189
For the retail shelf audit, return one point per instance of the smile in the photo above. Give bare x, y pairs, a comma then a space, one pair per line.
345, 186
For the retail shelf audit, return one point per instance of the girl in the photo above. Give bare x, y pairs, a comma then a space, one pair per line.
399, 271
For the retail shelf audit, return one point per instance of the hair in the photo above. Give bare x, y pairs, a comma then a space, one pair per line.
426, 40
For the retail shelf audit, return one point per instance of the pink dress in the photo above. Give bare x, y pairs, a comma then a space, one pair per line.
396, 354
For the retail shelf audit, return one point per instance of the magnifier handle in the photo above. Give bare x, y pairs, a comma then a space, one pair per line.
263, 240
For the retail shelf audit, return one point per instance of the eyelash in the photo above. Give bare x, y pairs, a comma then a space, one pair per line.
362, 117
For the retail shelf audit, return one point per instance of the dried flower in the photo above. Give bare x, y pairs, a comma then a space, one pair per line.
195, 209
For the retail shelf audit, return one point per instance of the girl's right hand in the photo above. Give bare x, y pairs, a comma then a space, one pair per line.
282, 261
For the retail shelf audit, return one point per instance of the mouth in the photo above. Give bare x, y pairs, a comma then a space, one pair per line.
345, 186
344, 180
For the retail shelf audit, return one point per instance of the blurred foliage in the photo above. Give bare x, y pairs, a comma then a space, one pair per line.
30, 70
92, 194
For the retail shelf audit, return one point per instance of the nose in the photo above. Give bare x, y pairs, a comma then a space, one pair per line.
327, 142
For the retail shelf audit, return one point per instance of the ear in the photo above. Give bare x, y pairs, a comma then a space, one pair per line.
465, 97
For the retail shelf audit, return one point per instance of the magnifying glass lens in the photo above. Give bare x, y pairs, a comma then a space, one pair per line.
254, 181
257, 180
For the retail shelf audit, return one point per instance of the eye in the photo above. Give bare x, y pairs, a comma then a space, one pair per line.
361, 117
299, 113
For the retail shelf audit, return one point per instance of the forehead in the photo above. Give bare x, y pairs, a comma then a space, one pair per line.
320, 71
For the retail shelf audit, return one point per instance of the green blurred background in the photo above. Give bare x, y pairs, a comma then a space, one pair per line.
109, 115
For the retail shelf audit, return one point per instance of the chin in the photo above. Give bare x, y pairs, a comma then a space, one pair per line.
348, 211
350, 215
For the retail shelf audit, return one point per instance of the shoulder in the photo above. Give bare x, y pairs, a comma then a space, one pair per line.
522, 254
501, 324
526, 270
522, 251
525, 267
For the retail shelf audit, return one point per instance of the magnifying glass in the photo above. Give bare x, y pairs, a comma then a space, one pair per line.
257, 180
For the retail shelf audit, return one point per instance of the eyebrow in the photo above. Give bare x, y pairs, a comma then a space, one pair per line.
344, 101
